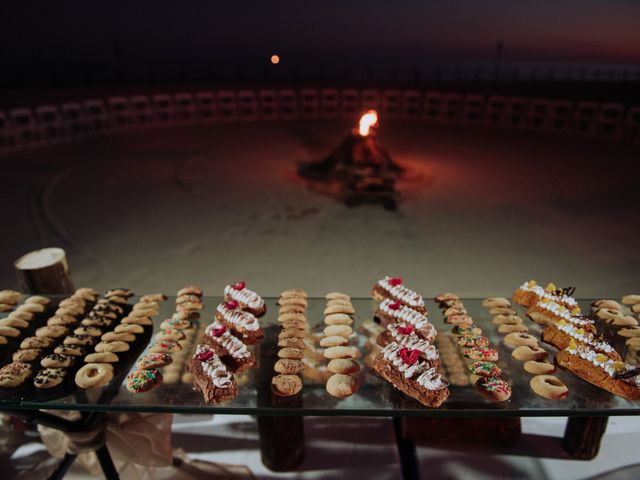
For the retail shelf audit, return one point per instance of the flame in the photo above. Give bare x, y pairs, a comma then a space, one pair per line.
368, 120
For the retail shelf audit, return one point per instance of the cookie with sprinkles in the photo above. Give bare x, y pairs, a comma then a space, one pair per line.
494, 388
140, 381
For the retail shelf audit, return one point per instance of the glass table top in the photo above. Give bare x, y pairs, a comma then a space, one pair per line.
375, 397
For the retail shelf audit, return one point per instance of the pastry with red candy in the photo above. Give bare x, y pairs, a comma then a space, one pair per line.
248, 300
404, 369
405, 336
394, 311
393, 289
211, 377
242, 324
229, 348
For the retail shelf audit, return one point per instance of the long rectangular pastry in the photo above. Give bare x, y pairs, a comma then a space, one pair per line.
248, 300
598, 369
529, 293
211, 376
561, 333
393, 311
414, 377
406, 337
552, 312
392, 288
242, 324
230, 349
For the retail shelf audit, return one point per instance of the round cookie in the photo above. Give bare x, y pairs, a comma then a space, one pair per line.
27, 355
79, 340
50, 377
100, 322
339, 301
91, 331
343, 365
175, 323
513, 328
14, 323
335, 295
11, 332
297, 309
333, 341
113, 347
341, 352
129, 328
57, 360
466, 330
481, 353
342, 386
26, 316
472, 341
338, 330
289, 366
549, 386
36, 342
494, 388
145, 321
15, 374
291, 353
118, 337
525, 353
298, 324
506, 320
485, 369
284, 385
154, 360
282, 317
539, 368
502, 311
170, 334
101, 357
64, 320
94, 375
164, 346
31, 307
338, 319
294, 292
291, 333
72, 350
496, 302
517, 339
292, 342
141, 381
460, 319
50, 331
153, 297
631, 299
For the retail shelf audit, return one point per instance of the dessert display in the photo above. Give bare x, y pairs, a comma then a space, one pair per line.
392, 288
343, 366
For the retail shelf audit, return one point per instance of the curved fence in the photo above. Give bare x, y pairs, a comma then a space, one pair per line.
25, 128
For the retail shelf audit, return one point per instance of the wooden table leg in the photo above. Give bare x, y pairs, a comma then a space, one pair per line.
406, 451
281, 442
582, 436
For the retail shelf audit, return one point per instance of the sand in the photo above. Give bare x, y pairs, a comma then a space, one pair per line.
154, 210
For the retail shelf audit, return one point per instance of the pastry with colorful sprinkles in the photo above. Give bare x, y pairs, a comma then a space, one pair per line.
140, 381
494, 388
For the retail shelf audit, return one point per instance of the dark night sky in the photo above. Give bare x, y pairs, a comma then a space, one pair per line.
333, 32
